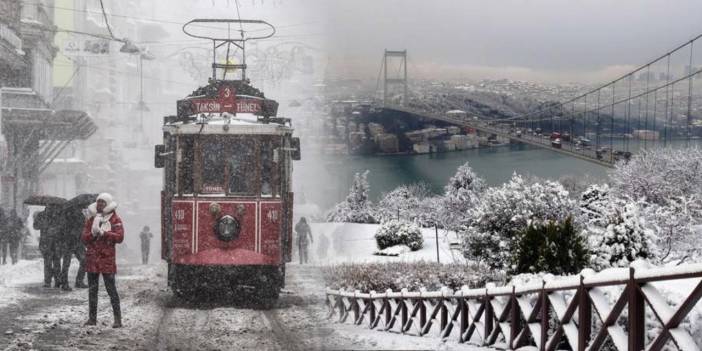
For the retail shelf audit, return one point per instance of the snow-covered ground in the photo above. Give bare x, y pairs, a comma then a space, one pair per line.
14, 276
352, 242
50, 319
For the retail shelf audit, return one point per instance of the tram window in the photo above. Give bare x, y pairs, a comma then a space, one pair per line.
185, 159
213, 156
242, 167
268, 170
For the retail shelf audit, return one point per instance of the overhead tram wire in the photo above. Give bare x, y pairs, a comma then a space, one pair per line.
107, 23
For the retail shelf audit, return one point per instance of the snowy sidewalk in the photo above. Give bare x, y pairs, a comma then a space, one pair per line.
32, 317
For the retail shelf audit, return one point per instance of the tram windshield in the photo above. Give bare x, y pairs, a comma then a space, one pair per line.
230, 165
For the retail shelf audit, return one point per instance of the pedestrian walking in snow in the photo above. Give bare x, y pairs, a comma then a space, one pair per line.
322, 246
70, 245
47, 222
102, 231
304, 238
14, 230
145, 237
4, 240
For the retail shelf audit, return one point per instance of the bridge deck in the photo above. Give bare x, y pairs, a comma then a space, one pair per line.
568, 148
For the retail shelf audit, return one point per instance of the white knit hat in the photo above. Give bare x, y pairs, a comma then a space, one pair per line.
105, 197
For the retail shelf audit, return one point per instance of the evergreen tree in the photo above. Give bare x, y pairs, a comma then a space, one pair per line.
356, 208
553, 247
618, 235
461, 195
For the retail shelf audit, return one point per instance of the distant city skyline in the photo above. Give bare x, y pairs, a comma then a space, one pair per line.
540, 40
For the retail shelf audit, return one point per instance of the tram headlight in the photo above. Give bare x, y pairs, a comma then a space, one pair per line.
227, 228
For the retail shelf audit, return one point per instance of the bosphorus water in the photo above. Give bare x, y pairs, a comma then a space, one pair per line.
326, 179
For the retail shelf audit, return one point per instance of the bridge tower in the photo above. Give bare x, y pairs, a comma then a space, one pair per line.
388, 80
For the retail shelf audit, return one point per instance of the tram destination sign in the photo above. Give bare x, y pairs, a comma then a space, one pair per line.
225, 101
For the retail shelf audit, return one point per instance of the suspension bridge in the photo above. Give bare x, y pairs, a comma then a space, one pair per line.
658, 104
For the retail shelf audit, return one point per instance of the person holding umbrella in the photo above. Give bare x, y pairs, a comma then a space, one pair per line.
75, 214
102, 231
47, 223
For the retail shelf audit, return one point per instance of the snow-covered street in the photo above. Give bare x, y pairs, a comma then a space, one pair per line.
49, 319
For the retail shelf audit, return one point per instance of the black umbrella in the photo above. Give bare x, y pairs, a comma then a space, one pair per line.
44, 200
81, 201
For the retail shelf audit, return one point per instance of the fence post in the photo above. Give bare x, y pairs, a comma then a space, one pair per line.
371, 310
355, 307
342, 307
489, 315
513, 319
463, 315
544, 317
584, 317
637, 317
443, 315
388, 313
422, 315
403, 311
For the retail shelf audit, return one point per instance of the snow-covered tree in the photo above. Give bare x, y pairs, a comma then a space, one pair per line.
461, 195
429, 211
593, 203
676, 228
615, 229
505, 212
402, 203
659, 175
356, 208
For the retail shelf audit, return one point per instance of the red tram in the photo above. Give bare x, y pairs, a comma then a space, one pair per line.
226, 204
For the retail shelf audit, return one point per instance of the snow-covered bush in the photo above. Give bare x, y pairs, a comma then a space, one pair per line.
396, 232
356, 208
505, 212
461, 195
659, 175
396, 276
404, 202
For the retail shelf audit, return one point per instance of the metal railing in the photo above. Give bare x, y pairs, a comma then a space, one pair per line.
575, 310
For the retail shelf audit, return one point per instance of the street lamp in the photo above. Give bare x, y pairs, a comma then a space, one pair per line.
128, 47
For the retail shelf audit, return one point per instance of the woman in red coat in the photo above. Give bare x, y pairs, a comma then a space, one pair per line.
102, 231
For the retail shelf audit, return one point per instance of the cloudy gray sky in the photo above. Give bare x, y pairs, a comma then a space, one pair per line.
552, 40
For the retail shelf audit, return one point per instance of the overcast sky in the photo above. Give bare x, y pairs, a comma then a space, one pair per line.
529, 39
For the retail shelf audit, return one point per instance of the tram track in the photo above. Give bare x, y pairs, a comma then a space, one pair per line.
282, 336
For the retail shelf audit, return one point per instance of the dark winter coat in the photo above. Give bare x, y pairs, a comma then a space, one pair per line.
304, 233
48, 223
71, 229
145, 237
14, 228
100, 256
3, 226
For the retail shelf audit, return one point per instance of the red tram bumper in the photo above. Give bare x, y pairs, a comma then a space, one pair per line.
226, 257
